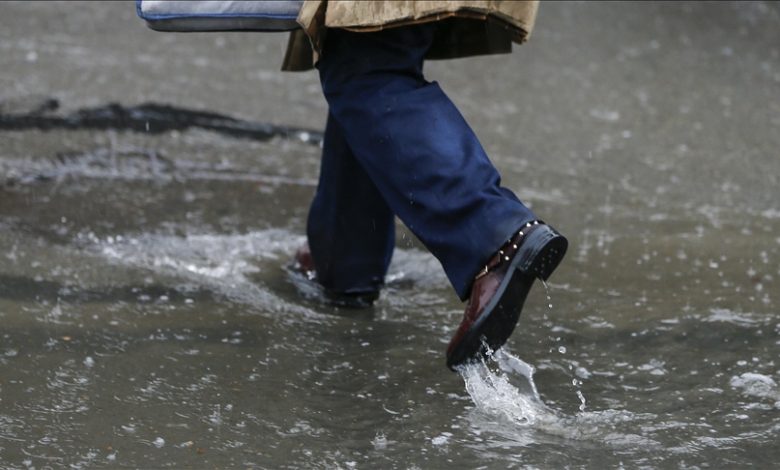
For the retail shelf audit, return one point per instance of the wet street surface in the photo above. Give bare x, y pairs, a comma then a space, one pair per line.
154, 186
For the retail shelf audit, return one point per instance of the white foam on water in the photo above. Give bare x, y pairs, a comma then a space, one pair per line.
729, 316
441, 439
756, 385
207, 255
653, 367
771, 213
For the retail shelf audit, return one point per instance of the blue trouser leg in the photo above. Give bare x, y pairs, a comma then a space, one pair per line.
416, 148
351, 230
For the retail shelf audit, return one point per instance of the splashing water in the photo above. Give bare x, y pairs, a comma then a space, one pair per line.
509, 399
510, 394
582, 399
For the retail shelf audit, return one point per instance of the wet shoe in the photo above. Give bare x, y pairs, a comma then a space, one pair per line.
499, 291
303, 265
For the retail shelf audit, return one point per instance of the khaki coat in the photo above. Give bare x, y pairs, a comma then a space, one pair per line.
467, 27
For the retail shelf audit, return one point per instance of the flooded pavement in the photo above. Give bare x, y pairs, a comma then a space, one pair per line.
147, 319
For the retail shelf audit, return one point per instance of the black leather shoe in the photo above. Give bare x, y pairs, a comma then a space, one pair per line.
303, 265
500, 289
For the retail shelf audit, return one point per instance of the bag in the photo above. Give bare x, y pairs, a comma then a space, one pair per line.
188, 16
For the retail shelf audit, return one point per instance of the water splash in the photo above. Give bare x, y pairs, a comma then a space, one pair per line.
233, 265
508, 404
582, 399
510, 394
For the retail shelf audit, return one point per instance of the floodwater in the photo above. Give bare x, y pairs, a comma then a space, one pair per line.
154, 186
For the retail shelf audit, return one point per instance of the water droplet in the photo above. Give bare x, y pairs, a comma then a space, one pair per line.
128, 428
547, 292
379, 441
582, 400
441, 439
562, 349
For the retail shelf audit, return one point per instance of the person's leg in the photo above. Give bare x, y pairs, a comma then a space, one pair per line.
350, 229
417, 149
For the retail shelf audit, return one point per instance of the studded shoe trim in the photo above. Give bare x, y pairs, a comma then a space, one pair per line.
507, 250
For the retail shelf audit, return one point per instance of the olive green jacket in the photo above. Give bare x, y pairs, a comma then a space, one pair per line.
467, 27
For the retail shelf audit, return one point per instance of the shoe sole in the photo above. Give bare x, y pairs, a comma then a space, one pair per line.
537, 258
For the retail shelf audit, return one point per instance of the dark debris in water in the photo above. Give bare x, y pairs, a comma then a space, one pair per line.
148, 117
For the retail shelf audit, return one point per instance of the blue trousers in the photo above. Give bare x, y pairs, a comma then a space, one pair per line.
396, 145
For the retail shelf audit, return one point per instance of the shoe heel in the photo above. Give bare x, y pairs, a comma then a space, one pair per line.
545, 250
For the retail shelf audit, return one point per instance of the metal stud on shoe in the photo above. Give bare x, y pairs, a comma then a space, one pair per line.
505, 253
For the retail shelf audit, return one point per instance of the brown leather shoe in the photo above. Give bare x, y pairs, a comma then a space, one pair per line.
303, 265
500, 289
